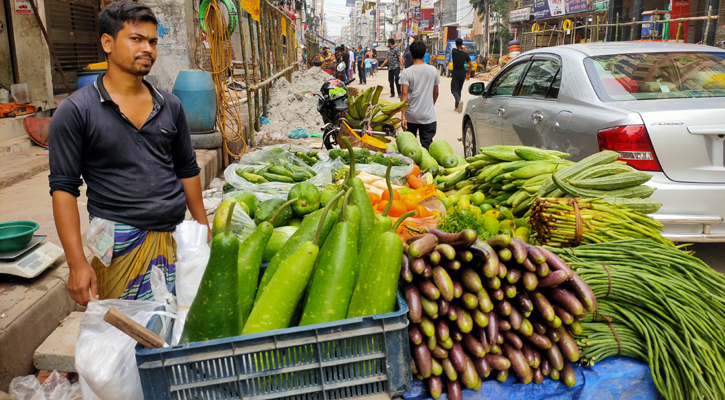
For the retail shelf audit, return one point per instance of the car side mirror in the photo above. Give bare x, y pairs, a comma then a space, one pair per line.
476, 89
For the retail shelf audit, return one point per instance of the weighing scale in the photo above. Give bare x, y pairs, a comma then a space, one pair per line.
30, 261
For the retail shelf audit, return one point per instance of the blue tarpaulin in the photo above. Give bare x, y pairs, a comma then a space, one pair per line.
611, 379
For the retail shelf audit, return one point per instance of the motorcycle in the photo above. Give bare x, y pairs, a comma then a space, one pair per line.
332, 106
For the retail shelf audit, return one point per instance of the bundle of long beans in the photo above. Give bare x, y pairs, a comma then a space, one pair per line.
657, 304
560, 222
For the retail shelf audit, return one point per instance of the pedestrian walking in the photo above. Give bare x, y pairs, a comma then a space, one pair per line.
345, 55
408, 59
361, 66
426, 58
351, 65
130, 143
368, 65
395, 64
419, 84
461, 72
375, 67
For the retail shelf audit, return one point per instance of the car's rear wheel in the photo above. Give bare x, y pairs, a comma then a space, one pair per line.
469, 140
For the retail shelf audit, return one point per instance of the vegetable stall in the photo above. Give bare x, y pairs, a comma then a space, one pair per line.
496, 274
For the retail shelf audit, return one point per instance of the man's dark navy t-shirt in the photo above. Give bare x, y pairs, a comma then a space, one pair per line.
459, 59
132, 174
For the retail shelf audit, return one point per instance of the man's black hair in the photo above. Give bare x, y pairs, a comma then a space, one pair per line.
459, 42
391, 41
417, 50
112, 18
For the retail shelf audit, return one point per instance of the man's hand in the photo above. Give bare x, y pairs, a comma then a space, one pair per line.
404, 123
468, 77
82, 279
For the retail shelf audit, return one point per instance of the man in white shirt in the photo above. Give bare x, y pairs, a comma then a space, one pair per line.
419, 87
351, 66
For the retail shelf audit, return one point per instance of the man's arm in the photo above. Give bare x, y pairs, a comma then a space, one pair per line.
384, 63
402, 63
194, 201
68, 224
435, 94
403, 97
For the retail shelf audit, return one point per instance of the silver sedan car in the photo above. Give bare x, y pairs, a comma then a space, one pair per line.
661, 105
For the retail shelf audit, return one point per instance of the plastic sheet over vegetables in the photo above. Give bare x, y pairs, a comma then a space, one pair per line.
279, 154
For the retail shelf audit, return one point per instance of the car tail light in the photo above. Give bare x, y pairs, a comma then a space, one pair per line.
633, 144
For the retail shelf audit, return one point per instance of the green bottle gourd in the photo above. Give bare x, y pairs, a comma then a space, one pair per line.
377, 285
383, 223
251, 253
306, 232
359, 197
215, 311
279, 299
334, 278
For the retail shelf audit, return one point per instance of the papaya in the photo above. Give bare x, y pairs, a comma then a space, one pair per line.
308, 198
443, 153
326, 196
408, 146
249, 199
220, 217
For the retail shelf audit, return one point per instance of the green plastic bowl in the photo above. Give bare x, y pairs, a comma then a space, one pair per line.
14, 235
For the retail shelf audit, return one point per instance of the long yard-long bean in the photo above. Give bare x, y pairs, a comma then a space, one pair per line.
666, 307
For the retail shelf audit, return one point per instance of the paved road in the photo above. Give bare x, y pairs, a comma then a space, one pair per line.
449, 129
449, 121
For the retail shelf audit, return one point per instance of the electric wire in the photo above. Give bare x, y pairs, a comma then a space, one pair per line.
221, 54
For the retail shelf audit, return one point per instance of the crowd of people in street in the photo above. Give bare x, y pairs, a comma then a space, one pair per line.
410, 75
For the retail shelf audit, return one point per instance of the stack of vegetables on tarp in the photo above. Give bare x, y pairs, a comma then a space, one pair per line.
342, 261
654, 301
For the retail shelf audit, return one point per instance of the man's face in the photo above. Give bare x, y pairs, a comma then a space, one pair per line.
134, 49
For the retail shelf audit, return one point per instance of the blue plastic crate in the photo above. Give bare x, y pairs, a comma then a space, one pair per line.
350, 358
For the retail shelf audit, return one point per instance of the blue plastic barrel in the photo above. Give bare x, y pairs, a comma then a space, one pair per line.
88, 76
195, 88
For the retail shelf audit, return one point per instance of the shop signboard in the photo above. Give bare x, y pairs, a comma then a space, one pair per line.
350, 3
578, 6
679, 9
23, 7
549, 8
426, 4
522, 14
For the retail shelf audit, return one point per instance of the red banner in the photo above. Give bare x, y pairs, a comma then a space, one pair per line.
679, 9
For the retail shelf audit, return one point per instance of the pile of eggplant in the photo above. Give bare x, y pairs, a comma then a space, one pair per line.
481, 309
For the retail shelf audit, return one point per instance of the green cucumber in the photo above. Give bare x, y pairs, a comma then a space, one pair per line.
276, 305
215, 311
334, 279
277, 178
251, 254
308, 196
279, 170
305, 233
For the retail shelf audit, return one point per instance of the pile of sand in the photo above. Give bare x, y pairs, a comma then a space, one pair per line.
294, 105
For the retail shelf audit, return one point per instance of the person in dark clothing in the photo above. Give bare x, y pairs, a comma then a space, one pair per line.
395, 64
361, 65
461, 69
130, 143
408, 58
346, 60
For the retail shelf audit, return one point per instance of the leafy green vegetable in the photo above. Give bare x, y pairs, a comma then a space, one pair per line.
363, 156
458, 220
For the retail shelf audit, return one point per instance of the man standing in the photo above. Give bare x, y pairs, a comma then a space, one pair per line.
361, 65
426, 59
419, 85
461, 69
394, 63
130, 142
351, 65
408, 59
346, 59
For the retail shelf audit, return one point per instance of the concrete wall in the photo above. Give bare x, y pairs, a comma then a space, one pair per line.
6, 66
177, 40
32, 57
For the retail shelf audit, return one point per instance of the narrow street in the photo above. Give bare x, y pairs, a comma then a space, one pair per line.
449, 121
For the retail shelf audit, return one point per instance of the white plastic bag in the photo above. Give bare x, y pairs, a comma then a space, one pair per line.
100, 239
56, 387
265, 155
398, 175
192, 255
105, 357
